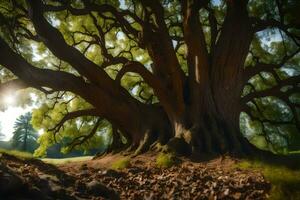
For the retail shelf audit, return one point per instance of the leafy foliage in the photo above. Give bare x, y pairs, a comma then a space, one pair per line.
47, 116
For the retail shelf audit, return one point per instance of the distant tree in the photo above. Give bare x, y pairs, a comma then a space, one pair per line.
24, 134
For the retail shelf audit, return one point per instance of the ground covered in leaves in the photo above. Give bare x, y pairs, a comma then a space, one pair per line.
140, 178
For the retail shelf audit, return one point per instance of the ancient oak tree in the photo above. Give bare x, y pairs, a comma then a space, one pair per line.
160, 72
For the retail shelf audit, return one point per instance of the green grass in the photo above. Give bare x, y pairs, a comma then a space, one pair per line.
61, 161
19, 154
165, 160
285, 182
54, 161
295, 152
121, 163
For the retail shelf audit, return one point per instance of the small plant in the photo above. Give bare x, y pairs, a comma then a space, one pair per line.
165, 160
121, 163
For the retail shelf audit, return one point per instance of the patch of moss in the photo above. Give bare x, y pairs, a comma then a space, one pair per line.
285, 182
18, 154
165, 160
121, 163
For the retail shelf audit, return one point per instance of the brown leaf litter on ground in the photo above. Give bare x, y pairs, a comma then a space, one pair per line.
215, 179
35, 180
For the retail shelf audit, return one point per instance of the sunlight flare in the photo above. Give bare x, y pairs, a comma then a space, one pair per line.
9, 99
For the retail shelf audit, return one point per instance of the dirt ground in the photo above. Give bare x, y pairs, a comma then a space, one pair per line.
141, 179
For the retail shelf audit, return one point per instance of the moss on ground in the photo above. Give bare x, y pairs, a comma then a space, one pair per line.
165, 160
121, 163
285, 182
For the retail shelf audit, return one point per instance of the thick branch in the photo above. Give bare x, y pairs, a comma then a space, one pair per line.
197, 55
214, 29
56, 80
156, 39
56, 43
259, 67
119, 16
73, 115
275, 91
248, 110
160, 91
259, 25
195, 40
36, 77
84, 138
232, 45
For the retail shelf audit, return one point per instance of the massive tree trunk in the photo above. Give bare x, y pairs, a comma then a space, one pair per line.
210, 122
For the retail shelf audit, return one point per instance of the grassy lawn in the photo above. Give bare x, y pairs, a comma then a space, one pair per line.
285, 182
54, 161
60, 161
19, 154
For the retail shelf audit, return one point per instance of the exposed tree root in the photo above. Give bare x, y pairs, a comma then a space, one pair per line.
158, 147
